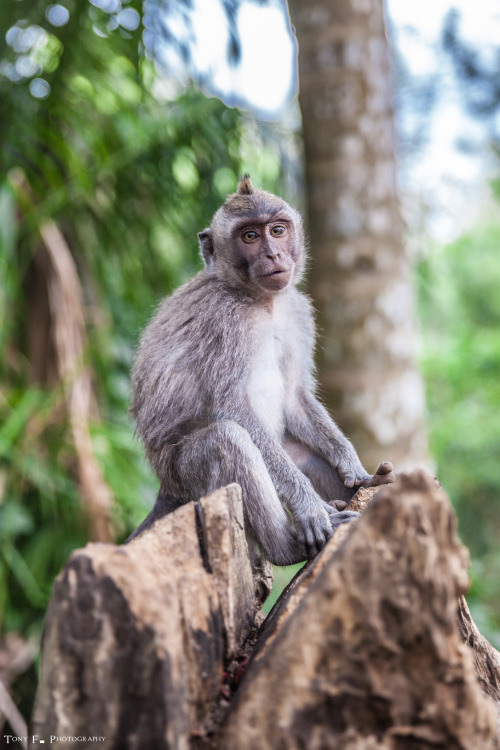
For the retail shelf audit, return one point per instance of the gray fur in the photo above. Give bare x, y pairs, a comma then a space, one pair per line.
223, 389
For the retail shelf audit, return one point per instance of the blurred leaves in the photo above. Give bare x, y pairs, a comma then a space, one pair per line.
129, 175
460, 307
170, 37
477, 69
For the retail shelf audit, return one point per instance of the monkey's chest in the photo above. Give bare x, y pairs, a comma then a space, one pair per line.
266, 386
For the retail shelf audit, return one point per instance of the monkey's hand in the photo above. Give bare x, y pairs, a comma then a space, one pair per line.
354, 475
314, 528
351, 470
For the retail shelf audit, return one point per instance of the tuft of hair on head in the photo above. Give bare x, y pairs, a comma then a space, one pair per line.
245, 186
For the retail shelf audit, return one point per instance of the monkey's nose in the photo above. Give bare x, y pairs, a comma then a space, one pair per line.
272, 253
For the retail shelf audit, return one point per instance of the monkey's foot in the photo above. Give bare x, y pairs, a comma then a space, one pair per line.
385, 474
345, 516
338, 504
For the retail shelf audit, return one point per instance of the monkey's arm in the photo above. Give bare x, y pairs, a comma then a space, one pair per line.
309, 423
314, 521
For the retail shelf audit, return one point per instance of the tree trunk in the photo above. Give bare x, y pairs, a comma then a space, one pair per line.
359, 277
146, 644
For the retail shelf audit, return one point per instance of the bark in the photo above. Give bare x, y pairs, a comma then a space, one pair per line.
146, 644
136, 636
359, 277
486, 658
370, 656
16, 656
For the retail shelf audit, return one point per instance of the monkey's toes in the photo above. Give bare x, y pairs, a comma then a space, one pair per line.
338, 504
346, 516
385, 474
385, 468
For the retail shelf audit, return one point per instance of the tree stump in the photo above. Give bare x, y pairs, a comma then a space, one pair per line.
370, 647
136, 636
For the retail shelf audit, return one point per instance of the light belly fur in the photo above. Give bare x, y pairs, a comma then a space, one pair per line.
266, 388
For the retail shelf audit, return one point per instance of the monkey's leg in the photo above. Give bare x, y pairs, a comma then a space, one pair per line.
326, 481
223, 453
328, 484
164, 504
324, 478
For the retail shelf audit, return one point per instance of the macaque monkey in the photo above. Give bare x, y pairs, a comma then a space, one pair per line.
223, 387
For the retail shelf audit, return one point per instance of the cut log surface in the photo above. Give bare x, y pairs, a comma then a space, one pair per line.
154, 644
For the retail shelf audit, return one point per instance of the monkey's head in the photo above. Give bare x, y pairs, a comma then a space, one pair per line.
255, 242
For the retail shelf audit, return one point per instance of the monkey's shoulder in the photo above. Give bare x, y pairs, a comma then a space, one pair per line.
193, 349
199, 329
202, 303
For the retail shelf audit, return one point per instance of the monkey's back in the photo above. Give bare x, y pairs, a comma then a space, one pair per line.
188, 358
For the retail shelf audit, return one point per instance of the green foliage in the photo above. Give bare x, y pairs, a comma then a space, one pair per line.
91, 143
282, 577
460, 308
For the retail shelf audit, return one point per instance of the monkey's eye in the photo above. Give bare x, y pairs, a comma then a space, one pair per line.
277, 231
249, 236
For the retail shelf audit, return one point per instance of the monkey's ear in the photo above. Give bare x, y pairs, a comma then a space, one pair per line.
207, 248
245, 186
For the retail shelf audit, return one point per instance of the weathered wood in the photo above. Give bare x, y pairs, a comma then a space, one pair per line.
146, 644
371, 656
486, 658
136, 636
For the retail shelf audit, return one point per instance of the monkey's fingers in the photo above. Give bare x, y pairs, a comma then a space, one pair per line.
350, 480
314, 532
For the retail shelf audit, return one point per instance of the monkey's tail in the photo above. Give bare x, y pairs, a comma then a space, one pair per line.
164, 504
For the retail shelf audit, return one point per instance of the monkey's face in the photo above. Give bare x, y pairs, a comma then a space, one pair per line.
256, 242
264, 252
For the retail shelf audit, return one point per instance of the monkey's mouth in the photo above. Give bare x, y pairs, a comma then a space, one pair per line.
278, 272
